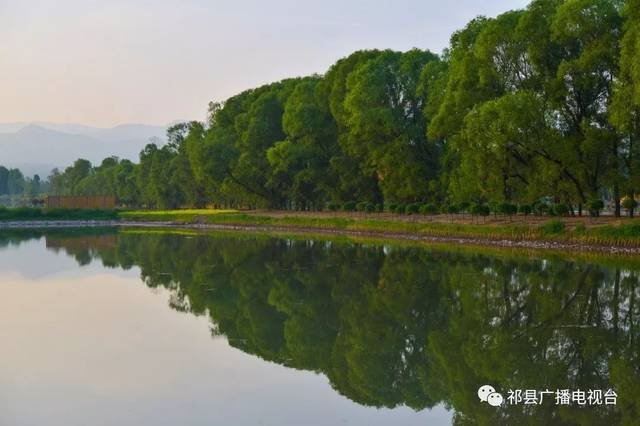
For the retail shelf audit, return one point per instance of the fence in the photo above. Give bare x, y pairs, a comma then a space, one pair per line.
82, 202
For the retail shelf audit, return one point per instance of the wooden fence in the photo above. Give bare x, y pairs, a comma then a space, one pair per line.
81, 202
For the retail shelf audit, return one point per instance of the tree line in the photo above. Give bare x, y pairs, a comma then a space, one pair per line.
14, 183
536, 104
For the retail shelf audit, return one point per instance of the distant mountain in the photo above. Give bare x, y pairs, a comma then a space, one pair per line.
39, 147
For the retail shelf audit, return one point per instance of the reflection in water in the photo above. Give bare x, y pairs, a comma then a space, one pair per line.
393, 326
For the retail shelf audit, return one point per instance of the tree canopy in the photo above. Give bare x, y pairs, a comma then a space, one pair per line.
539, 103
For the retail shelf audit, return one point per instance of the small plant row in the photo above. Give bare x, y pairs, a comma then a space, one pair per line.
595, 207
29, 214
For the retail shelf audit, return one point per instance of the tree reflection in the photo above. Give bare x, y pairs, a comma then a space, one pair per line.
394, 326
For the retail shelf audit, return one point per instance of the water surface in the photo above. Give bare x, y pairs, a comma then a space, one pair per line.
128, 328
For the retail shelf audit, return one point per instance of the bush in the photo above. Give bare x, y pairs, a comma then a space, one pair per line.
452, 209
561, 209
361, 206
379, 208
525, 209
333, 207
369, 208
413, 208
465, 206
508, 209
349, 206
629, 204
27, 213
392, 207
552, 227
494, 207
540, 208
480, 210
595, 207
428, 209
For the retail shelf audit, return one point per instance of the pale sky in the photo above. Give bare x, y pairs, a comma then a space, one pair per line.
105, 63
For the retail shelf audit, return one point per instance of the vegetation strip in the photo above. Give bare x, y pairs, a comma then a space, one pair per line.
432, 233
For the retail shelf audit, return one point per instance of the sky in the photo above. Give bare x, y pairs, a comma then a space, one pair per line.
104, 63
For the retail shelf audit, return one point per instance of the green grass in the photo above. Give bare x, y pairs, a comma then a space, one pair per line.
172, 215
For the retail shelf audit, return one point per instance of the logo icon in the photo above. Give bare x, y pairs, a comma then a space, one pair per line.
488, 394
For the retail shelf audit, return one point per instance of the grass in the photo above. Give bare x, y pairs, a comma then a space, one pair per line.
172, 215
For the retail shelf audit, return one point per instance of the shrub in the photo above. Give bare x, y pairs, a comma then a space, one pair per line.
629, 204
595, 207
331, 206
349, 206
540, 208
400, 209
379, 208
494, 208
361, 206
508, 209
369, 208
452, 209
552, 227
392, 207
428, 209
480, 210
465, 206
412, 208
561, 209
525, 209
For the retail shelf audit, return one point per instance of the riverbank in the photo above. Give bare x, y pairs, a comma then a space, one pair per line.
552, 235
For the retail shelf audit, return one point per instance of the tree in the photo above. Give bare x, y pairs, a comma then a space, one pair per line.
386, 126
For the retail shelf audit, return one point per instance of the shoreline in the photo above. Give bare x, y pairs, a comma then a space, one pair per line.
393, 235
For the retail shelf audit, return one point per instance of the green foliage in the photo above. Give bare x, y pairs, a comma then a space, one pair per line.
349, 206
595, 207
428, 209
552, 227
30, 214
413, 208
560, 209
630, 204
508, 209
540, 208
525, 209
332, 207
464, 206
479, 209
452, 209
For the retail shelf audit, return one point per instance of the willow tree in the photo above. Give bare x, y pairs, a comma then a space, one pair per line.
386, 125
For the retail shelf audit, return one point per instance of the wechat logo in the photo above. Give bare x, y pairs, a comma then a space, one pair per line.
489, 395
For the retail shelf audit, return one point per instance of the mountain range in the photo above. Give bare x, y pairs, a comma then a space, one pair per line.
37, 148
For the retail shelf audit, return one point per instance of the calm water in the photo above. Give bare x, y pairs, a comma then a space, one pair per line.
163, 329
